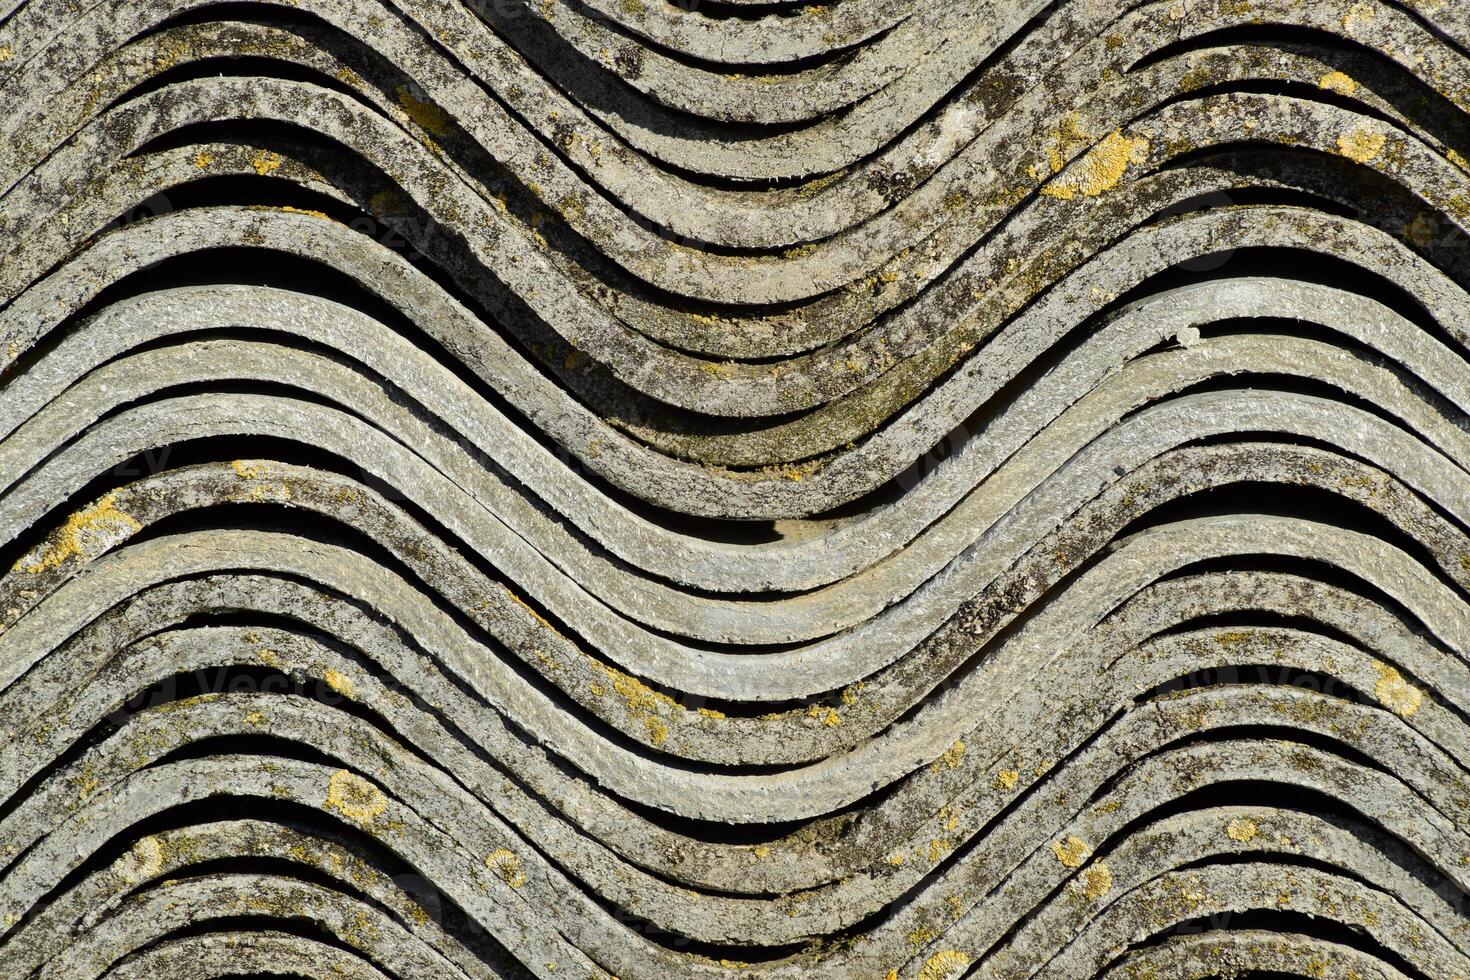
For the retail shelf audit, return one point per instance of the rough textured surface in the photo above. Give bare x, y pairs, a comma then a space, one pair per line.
643, 489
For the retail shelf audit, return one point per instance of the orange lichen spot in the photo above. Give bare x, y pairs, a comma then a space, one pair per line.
1395, 693
638, 696
1101, 169
658, 732
355, 798
951, 757
265, 162
385, 202
143, 861
1339, 82
542, 620
507, 867
85, 535
1069, 135
1243, 830
1096, 881
428, 116
829, 716
719, 370
1361, 144
944, 965
1420, 230
1071, 852
1358, 13
921, 936
306, 211
340, 683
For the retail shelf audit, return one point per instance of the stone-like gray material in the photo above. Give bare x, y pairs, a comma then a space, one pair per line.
631, 489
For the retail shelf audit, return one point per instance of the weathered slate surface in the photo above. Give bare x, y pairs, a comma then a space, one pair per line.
642, 489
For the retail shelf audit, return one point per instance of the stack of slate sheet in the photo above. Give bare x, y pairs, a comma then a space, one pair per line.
616, 488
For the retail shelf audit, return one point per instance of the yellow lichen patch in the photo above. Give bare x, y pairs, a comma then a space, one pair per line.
1420, 230
85, 535
829, 716
951, 757
761, 851
1358, 13
202, 159
6, 52
921, 936
1096, 881
1071, 852
658, 732
896, 859
427, 115
638, 696
306, 211
795, 472
1339, 82
719, 370
1100, 169
1242, 830
268, 491
264, 491
1458, 159
265, 161
355, 798
1194, 78
340, 683
1361, 144
1395, 693
1006, 779
944, 965
540, 619
506, 866
143, 861
385, 202
1069, 135
711, 713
